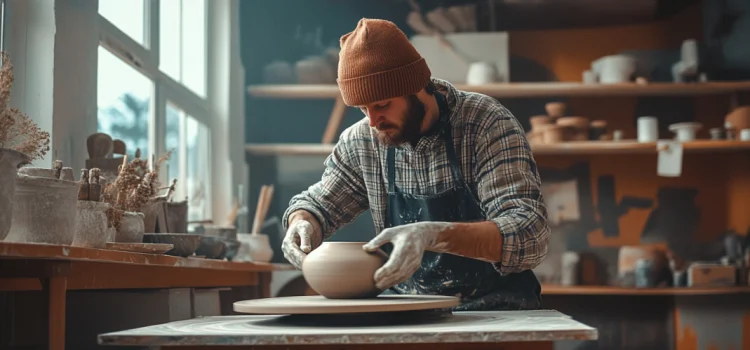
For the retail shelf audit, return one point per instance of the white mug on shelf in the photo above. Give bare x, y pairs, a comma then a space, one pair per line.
648, 129
481, 73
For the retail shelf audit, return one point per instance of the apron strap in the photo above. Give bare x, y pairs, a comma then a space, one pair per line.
447, 133
391, 162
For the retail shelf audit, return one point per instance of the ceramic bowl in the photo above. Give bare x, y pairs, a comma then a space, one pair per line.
343, 270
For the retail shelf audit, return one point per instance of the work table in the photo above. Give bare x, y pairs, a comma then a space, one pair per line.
466, 330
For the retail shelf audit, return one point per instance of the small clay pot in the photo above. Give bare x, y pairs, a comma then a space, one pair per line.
553, 134
131, 228
539, 120
343, 270
555, 109
91, 225
258, 246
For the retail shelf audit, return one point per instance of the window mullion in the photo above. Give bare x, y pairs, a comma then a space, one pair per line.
152, 28
183, 155
157, 134
180, 43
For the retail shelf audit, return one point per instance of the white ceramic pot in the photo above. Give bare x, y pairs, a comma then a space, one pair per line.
614, 69
44, 211
257, 245
685, 132
131, 228
10, 161
481, 73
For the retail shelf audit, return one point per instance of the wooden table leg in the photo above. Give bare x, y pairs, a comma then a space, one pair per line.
56, 288
264, 285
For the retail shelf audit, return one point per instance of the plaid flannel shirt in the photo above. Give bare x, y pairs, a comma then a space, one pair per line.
495, 160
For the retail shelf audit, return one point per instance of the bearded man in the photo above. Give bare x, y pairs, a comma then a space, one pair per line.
448, 176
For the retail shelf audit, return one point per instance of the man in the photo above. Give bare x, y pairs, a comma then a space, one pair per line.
448, 176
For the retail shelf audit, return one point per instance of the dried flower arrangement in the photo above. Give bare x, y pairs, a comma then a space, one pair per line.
17, 130
135, 185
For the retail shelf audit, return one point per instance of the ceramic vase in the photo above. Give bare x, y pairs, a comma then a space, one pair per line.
10, 161
343, 270
131, 228
255, 246
91, 225
44, 211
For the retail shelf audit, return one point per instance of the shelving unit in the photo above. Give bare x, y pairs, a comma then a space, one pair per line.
569, 148
522, 90
507, 90
610, 290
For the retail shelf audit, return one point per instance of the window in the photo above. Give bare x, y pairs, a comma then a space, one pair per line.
182, 41
126, 17
152, 89
186, 135
123, 99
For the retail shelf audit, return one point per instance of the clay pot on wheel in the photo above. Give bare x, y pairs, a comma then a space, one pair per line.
10, 161
343, 270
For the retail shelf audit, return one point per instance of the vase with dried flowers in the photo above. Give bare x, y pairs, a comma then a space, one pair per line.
21, 141
136, 184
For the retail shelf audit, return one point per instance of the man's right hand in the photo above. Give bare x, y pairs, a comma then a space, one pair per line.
302, 237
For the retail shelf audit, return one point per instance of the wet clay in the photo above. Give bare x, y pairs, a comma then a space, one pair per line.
343, 270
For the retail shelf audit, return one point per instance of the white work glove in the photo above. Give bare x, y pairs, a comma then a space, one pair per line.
301, 238
409, 244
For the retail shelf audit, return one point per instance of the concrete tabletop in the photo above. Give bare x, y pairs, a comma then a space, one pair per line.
382, 328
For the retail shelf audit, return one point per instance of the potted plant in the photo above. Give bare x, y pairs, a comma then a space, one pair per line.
21, 141
129, 195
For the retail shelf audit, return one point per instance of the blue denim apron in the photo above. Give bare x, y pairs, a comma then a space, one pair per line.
476, 282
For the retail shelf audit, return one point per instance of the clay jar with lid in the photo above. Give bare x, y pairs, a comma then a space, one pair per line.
343, 270
739, 118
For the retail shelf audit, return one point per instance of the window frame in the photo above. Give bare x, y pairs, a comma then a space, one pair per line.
55, 42
145, 59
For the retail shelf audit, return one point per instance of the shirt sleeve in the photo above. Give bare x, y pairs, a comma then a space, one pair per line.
509, 190
340, 195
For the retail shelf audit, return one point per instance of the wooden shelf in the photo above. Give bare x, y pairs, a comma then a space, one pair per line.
566, 148
611, 290
518, 90
69, 253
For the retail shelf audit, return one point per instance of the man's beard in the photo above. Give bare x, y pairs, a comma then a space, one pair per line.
410, 131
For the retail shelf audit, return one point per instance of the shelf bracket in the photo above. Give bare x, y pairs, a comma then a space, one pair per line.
335, 120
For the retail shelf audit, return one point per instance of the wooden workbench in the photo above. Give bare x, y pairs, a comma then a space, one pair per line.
56, 269
438, 330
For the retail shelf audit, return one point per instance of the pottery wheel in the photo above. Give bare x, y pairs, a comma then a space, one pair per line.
317, 304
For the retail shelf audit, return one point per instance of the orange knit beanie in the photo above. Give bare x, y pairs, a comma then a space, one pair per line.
377, 62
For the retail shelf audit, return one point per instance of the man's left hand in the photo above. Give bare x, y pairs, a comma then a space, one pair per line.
409, 243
